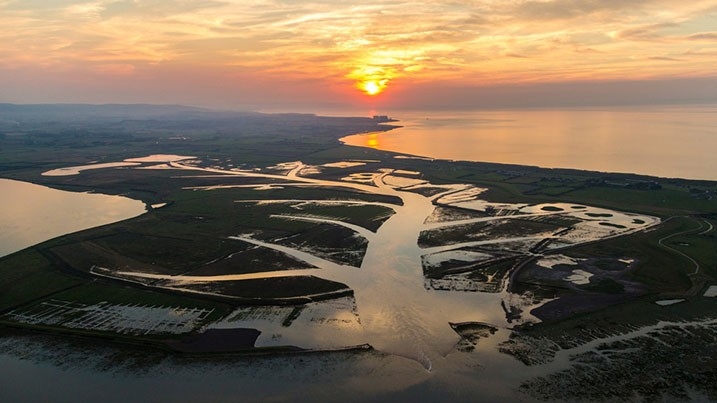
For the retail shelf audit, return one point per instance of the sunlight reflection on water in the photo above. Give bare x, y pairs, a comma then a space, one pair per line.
32, 213
659, 141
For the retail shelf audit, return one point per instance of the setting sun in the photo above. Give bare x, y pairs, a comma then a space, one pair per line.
371, 87
370, 79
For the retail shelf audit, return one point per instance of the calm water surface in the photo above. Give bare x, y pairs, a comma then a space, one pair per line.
659, 141
33, 370
32, 213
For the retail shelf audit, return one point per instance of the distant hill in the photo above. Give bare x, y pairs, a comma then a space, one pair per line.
46, 119
64, 112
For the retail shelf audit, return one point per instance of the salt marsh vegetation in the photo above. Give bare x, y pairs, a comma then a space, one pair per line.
397, 281
129, 319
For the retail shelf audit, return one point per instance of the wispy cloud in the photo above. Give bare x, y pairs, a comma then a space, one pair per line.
336, 41
703, 36
665, 58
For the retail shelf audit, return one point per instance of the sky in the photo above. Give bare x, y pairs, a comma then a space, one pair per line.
303, 54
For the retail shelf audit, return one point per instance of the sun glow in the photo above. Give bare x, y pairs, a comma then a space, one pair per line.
370, 79
372, 52
372, 87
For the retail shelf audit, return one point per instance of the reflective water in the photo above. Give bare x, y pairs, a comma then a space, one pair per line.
659, 141
32, 213
398, 314
34, 371
75, 170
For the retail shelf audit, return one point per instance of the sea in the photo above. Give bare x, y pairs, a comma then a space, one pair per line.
662, 141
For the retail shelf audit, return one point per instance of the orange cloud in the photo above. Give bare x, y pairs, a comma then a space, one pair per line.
367, 47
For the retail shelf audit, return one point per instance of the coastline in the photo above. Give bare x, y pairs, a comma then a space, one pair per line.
608, 140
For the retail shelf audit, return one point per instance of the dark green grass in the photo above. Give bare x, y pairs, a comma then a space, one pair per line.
701, 247
26, 276
485, 230
273, 288
34, 286
669, 200
657, 267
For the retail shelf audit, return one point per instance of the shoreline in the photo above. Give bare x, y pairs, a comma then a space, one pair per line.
197, 345
508, 165
507, 133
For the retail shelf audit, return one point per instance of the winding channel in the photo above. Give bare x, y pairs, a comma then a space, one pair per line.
398, 314
662, 240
